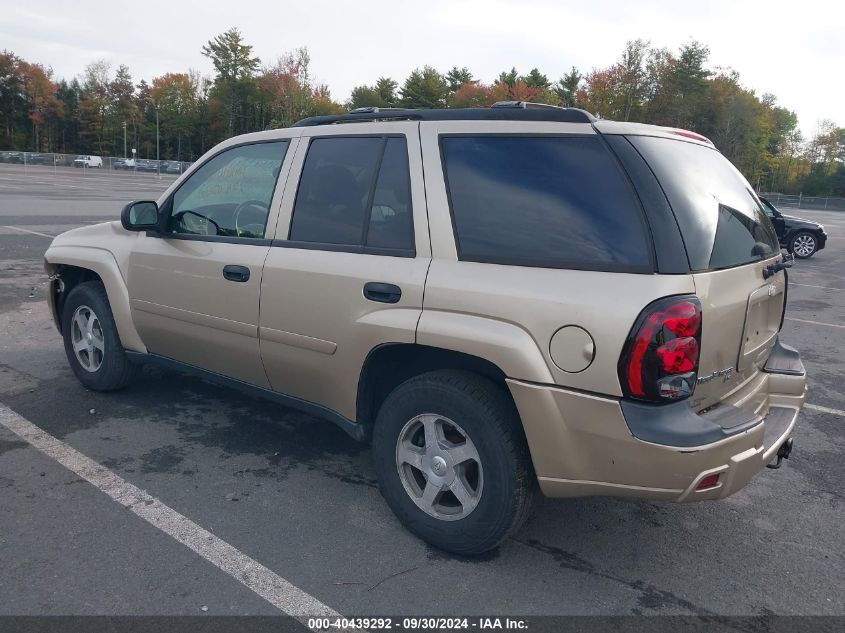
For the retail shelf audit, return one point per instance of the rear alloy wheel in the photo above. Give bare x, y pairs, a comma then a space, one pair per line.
452, 461
439, 467
803, 245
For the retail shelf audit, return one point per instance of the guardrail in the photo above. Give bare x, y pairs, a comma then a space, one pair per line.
801, 201
89, 161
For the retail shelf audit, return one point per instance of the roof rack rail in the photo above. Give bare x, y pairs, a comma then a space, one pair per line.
526, 104
501, 111
375, 109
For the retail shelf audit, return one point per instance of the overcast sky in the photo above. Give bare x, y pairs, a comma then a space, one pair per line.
795, 50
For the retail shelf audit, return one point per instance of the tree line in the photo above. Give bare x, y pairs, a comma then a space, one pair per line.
94, 112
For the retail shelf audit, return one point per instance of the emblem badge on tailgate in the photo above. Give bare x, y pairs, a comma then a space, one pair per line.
725, 375
772, 290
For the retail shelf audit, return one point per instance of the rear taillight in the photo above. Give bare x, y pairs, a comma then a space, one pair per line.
660, 359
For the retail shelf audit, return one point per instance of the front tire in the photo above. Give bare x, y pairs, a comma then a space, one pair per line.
452, 461
92, 344
803, 244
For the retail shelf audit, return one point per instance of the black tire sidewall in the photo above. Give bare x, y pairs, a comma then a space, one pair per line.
109, 374
795, 237
496, 512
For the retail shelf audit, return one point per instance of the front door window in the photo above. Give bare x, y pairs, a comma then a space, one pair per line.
229, 195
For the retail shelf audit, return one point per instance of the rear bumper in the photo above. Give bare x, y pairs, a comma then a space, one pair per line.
583, 444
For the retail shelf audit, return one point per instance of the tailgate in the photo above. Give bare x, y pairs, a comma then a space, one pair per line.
741, 315
729, 241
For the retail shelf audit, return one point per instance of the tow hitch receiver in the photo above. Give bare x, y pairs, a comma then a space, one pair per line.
784, 452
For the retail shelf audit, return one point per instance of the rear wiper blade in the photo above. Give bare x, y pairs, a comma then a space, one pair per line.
771, 269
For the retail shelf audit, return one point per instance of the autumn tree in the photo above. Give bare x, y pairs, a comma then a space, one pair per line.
287, 84
601, 95
42, 103
175, 95
472, 94
649, 84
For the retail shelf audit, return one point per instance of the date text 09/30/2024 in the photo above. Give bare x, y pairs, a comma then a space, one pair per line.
416, 623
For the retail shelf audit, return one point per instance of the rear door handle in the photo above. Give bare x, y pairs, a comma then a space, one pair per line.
236, 273
382, 292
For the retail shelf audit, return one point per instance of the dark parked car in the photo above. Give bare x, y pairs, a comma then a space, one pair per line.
800, 237
173, 167
146, 165
11, 157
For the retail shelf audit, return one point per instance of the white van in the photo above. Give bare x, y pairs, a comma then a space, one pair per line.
88, 161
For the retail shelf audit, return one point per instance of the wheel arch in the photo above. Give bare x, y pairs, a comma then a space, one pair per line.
390, 364
70, 266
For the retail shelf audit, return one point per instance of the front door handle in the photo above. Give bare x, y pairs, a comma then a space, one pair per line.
382, 292
236, 273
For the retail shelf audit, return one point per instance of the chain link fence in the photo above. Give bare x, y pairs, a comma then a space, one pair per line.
114, 164
40, 160
800, 201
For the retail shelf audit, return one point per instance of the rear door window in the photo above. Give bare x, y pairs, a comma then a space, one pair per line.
355, 192
722, 222
554, 202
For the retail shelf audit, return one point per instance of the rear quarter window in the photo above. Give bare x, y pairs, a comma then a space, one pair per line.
555, 202
721, 219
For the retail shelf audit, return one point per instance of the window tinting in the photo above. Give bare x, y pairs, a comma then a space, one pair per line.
542, 201
390, 216
230, 194
355, 191
720, 218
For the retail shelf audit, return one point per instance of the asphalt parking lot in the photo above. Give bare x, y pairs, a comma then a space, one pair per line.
298, 496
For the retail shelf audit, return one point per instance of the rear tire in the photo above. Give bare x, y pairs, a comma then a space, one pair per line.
803, 244
472, 483
92, 344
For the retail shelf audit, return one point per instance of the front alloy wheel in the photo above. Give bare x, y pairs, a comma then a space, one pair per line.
439, 467
86, 335
92, 344
804, 245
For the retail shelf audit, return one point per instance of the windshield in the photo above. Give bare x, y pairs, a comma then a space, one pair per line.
722, 221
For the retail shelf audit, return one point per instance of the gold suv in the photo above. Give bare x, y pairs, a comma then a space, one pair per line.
498, 299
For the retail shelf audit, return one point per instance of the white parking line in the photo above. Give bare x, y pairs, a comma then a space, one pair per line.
815, 322
273, 588
792, 283
17, 228
816, 407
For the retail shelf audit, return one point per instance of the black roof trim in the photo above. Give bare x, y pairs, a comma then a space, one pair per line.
502, 111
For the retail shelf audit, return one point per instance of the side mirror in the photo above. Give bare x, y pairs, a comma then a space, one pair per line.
140, 215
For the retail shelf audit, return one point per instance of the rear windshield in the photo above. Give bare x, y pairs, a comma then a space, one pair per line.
555, 202
721, 220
